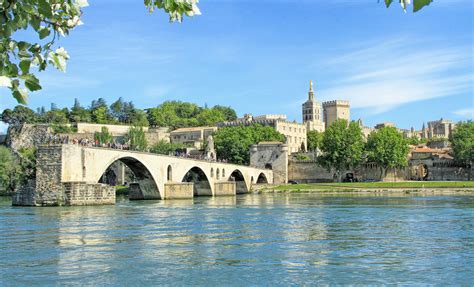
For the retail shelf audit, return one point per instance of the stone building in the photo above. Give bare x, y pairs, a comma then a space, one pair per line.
335, 110
312, 112
438, 129
294, 132
192, 136
384, 124
366, 131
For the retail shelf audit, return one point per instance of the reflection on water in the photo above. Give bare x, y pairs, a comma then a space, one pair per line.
245, 240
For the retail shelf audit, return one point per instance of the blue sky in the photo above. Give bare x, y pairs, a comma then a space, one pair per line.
259, 55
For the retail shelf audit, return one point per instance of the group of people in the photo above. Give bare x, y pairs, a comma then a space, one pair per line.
65, 139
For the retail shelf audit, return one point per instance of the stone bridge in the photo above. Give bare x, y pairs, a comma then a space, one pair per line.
70, 175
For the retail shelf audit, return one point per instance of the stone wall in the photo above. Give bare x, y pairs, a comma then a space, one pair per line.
450, 173
89, 128
308, 171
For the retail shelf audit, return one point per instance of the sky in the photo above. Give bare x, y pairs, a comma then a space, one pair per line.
258, 57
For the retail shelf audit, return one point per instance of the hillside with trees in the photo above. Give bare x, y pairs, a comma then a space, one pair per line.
173, 114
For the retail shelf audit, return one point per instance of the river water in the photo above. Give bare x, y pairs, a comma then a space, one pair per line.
273, 240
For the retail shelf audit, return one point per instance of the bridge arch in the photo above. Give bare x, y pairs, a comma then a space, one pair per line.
262, 178
143, 185
241, 184
202, 185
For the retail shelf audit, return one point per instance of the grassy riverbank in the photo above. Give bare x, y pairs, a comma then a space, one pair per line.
358, 186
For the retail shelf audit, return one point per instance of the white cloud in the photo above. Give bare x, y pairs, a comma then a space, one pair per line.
157, 91
465, 113
397, 72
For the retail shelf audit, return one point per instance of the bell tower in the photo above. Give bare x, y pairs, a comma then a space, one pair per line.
312, 115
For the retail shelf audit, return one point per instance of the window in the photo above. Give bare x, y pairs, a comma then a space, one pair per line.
170, 173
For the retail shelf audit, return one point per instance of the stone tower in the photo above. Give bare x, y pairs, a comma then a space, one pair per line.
312, 115
335, 110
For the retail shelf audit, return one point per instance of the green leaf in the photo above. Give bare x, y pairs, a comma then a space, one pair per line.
388, 2
25, 66
12, 71
24, 54
44, 32
22, 45
418, 4
44, 8
21, 96
31, 82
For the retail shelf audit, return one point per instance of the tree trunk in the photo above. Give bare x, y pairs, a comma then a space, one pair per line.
383, 173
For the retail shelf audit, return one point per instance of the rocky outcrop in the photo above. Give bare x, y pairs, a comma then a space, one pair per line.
28, 136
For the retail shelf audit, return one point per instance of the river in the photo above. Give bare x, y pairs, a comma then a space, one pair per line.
268, 239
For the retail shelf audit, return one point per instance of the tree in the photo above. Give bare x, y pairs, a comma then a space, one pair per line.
163, 147
56, 116
19, 115
342, 146
9, 170
232, 143
209, 117
78, 113
50, 19
228, 112
462, 141
103, 137
417, 4
314, 139
116, 109
136, 138
27, 161
387, 148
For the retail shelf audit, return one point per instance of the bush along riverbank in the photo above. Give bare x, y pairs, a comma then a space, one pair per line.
373, 186
121, 190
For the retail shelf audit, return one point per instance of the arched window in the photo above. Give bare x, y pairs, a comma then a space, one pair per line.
217, 174
212, 172
223, 172
170, 173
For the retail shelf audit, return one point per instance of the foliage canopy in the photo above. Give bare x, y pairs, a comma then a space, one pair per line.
342, 146
232, 143
387, 148
463, 143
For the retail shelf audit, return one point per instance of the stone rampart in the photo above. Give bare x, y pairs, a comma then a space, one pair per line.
308, 172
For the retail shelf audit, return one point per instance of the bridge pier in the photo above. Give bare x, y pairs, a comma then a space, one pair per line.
144, 189
225, 188
179, 190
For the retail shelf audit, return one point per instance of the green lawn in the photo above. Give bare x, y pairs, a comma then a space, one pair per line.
370, 185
